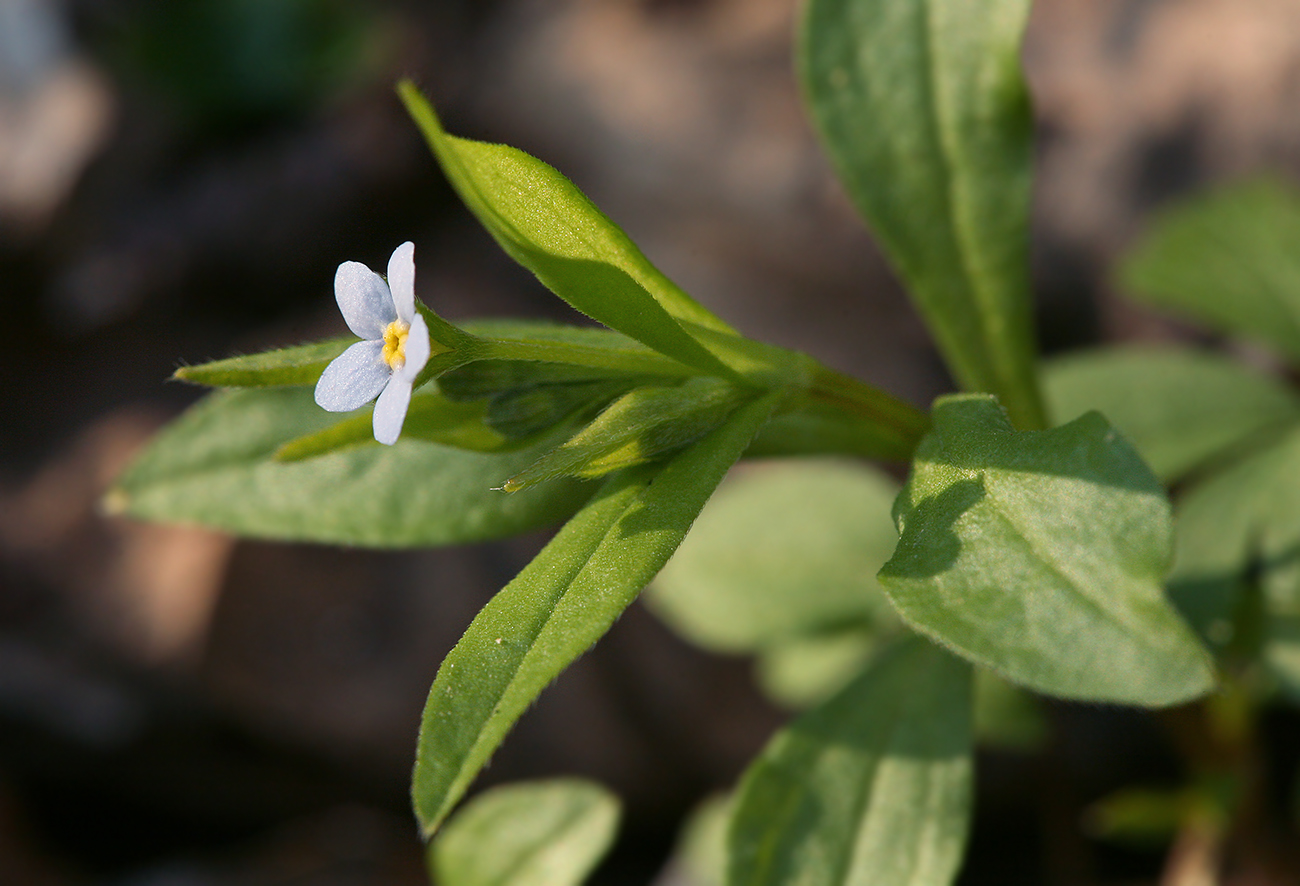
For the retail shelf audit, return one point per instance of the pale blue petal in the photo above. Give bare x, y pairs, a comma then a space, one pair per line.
416, 351
390, 410
354, 378
401, 280
364, 299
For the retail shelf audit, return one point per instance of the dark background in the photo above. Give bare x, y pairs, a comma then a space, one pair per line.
178, 181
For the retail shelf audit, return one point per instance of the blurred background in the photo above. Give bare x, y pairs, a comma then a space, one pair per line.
178, 182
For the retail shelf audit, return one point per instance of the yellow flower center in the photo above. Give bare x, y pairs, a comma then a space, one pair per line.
395, 344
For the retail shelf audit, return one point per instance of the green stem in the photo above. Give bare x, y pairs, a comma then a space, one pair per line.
850, 395
627, 360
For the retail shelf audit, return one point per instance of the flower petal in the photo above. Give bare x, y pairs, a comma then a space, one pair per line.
354, 378
364, 299
416, 352
401, 280
390, 410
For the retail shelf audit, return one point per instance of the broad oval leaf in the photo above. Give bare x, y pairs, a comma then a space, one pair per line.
560, 604
545, 223
783, 549
1177, 406
1228, 259
924, 112
1041, 555
215, 467
548, 833
873, 788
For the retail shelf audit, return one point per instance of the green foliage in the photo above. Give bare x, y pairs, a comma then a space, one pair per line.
214, 467
550, 227
549, 833
1239, 535
1228, 259
560, 604
299, 365
783, 549
641, 426
923, 109
1178, 407
873, 787
1041, 555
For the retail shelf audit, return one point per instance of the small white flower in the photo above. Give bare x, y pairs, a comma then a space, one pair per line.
395, 349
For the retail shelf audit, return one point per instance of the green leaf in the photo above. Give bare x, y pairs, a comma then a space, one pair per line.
549, 833
805, 670
550, 227
560, 604
214, 467
298, 365
1230, 259
782, 549
430, 417
1041, 555
701, 851
1177, 406
1006, 716
924, 112
1239, 531
871, 789
641, 426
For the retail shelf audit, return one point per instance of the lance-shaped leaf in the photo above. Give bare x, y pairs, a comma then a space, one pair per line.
297, 365
549, 833
545, 223
873, 788
560, 604
1041, 554
923, 109
1229, 260
1177, 406
215, 467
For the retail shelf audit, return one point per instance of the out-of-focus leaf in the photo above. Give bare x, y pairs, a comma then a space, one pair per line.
1041, 555
923, 109
806, 670
550, 833
298, 365
1239, 531
560, 604
873, 787
701, 851
1006, 716
783, 549
1177, 406
215, 467
1229, 259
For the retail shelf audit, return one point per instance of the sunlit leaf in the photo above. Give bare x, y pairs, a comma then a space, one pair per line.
923, 109
1042, 555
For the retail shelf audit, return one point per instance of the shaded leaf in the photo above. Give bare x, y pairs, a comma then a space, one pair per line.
1041, 555
873, 788
923, 109
214, 467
